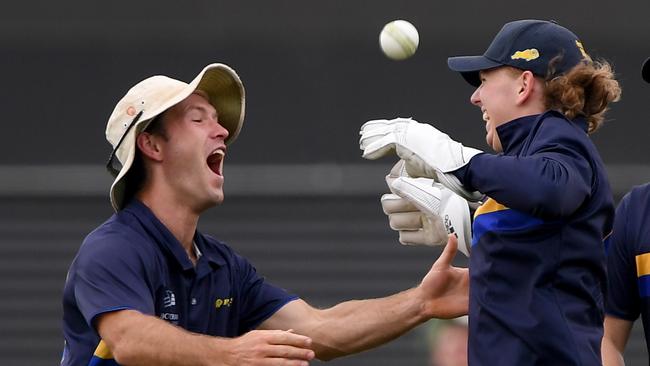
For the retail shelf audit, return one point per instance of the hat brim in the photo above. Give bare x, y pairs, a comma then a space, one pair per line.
226, 93
645, 71
469, 67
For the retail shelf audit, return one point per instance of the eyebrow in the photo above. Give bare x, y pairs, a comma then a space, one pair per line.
201, 109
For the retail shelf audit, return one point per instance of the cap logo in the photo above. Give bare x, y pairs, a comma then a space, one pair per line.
582, 50
130, 111
527, 55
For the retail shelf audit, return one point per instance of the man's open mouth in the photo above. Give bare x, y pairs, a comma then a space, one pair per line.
215, 160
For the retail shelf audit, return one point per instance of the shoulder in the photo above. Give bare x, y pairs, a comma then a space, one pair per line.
631, 218
555, 133
556, 124
116, 239
637, 199
640, 192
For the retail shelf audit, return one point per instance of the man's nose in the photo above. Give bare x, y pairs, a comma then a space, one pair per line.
219, 131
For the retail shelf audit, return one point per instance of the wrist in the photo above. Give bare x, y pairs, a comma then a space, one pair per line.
421, 306
217, 350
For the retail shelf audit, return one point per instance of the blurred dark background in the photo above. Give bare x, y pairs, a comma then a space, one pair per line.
301, 203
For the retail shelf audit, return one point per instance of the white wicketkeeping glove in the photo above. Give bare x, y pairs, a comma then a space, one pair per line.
427, 151
425, 212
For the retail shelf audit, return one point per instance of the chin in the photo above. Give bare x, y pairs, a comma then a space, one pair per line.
208, 203
215, 199
210, 200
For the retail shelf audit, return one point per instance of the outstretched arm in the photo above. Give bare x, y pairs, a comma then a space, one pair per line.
137, 339
354, 326
561, 182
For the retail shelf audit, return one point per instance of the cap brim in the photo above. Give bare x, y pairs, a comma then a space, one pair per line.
645, 71
469, 67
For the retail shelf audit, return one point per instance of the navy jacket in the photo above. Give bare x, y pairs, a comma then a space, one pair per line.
537, 267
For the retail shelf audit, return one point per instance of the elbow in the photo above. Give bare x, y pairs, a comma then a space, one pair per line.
327, 354
325, 358
327, 349
124, 353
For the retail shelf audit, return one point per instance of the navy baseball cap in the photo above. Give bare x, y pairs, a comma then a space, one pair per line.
527, 45
645, 72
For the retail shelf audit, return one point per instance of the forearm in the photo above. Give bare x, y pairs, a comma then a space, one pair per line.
354, 326
358, 325
616, 333
137, 339
611, 355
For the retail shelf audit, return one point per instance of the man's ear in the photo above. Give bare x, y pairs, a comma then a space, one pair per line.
526, 84
150, 145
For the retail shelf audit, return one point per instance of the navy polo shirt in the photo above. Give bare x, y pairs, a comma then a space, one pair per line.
133, 261
628, 260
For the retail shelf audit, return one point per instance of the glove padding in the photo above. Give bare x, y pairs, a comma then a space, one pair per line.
427, 151
425, 212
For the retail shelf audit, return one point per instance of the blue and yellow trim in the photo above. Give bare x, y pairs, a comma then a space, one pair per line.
102, 356
643, 274
497, 218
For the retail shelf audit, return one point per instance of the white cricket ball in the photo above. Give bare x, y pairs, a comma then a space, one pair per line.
399, 39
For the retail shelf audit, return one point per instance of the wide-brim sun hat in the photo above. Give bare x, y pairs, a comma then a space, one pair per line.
153, 96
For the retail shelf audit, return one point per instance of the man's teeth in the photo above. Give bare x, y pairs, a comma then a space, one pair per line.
220, 152
486, 117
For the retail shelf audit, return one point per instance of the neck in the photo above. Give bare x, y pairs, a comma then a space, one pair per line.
179, 219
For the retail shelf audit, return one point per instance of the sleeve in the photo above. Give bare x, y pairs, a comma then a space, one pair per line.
259, 298
622, 299
552, 182
110, 275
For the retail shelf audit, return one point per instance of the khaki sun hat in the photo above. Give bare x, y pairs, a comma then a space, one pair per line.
151, 97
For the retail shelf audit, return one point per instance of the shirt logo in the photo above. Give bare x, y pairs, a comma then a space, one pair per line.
527, 55
171, 317
169, 299
218, 303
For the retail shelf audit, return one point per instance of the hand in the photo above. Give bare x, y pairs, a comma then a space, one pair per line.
270, 347
445, 289
425, 212
427, 151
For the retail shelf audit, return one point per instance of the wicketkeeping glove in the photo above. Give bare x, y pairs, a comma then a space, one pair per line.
427, 151
425, 212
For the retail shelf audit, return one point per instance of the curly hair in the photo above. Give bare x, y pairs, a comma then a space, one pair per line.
586, 90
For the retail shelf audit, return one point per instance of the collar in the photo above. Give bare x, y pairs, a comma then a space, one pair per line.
197, 251
168, 242
513, 134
